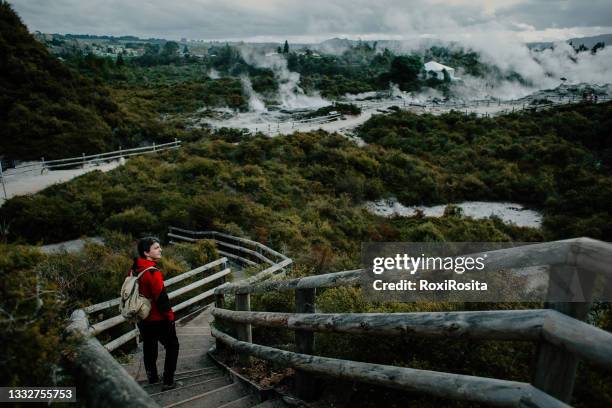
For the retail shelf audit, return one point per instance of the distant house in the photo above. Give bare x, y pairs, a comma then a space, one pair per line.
436, 70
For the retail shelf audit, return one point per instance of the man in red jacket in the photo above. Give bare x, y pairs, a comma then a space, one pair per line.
159, 325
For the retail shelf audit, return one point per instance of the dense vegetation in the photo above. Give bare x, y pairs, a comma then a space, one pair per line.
302, 194
559, 161
38, 292
185, 84
55, 111
231, 181
87, 104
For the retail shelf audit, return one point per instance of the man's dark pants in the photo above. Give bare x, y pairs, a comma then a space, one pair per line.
163, 331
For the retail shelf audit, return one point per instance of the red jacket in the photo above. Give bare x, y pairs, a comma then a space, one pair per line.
152, 287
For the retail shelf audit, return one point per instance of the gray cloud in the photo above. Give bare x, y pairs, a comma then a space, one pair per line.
553, 13
314, 19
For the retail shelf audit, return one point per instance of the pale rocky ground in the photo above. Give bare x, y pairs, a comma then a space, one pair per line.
33, 181
270, 123
510, 213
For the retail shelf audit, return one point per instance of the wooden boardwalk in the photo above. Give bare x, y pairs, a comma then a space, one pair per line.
204, 383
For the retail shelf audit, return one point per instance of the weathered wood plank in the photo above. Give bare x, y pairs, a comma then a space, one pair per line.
555, 369
101, 381
304, 344
246, 251
194, 272
188, 239
545, 253
584, 340
235, 288
197, 284
243, 330
219, 303
231, 246
115, 302
251, 242
345, 278
445, 385
121, 340
594, 256
232, 237
493, 325
238, 258
193, 300
116, 320
106, 324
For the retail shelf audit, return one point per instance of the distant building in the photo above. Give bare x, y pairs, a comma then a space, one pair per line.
435, 69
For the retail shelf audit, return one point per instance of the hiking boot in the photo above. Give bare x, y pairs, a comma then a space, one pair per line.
175, 384
153, 379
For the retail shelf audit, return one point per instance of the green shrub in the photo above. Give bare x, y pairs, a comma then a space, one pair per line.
136, 221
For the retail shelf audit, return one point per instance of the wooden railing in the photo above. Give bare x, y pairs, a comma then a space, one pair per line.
106, 324
244, 251
41, 166
562, 338
102, 379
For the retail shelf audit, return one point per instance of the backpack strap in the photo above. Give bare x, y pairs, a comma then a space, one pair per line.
148, 269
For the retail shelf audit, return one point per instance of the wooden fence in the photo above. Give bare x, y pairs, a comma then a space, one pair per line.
561, 336
244, 251
71, 162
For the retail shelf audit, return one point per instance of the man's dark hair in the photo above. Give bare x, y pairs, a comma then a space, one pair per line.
145, 244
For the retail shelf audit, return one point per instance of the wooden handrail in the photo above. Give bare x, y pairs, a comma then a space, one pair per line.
232, 237
116, 388
266, 273
562, 337
114, 302
231, 246
445, 385
329, 280
587, 254
582, 339
98, 155
116, 320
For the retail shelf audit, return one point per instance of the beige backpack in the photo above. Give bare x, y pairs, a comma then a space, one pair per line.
134, 307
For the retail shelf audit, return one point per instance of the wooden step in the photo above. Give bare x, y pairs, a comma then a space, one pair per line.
195, 341
187, 391
186, 363
183, 352
243, 402
184, 374
186, 380
213, 399
272, 403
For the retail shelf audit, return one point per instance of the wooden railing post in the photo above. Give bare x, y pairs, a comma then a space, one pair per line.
243, 330
304, 342
555, 369
220, 304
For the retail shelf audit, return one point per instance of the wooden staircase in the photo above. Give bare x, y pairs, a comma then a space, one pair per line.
562, 337
204, 383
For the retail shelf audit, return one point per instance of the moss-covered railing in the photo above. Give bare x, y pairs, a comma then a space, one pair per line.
562, 338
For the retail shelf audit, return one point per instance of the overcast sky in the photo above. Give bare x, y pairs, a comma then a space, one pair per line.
317, 20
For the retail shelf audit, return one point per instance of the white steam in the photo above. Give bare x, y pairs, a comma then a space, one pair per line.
540, 69
291, 95
255, 102
213, 74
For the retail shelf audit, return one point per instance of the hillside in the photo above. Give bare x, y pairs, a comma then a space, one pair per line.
588, 42
48, 110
